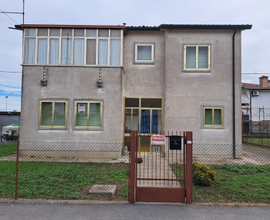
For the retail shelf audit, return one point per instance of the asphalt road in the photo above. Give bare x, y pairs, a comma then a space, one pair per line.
38, 211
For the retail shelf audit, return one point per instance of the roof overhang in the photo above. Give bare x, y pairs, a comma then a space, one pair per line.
190, 26
22, 26
206, 26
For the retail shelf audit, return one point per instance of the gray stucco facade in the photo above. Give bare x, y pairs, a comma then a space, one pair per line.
184, 93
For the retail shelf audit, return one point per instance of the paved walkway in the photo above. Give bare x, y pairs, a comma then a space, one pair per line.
156, 167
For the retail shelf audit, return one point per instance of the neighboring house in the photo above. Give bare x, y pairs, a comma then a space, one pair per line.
256, 105
85, 83
9, 118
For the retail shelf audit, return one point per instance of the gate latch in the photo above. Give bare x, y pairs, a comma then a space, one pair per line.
139, 160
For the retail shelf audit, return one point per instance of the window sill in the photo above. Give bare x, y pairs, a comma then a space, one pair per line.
52, 128
196, 71
62, 65
203, 127
88, 129
144, 63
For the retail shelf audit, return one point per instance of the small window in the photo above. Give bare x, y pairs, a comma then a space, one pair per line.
196, 57
91, 32
30, 32
79, 32
42, 50
53, 114
213, 117
42, 32
144, 53
88, 114
66, 32
55, 32
29, 50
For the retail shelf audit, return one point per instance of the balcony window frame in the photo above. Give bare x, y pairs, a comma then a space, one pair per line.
112, 35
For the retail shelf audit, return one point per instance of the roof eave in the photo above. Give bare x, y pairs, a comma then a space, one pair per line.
205, 26
20, 27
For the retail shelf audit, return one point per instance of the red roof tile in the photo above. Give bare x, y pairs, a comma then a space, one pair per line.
253, 86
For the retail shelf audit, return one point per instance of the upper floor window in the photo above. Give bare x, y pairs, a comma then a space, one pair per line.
197, 57
63, 46
144, 53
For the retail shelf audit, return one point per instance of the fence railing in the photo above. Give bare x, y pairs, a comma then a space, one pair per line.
100, 171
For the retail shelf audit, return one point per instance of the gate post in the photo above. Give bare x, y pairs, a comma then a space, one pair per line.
189, 145
132, 171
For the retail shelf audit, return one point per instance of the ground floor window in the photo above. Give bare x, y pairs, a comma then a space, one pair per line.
53, 114
213, 116
88, 114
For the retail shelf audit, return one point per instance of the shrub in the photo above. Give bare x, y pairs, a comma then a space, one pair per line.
203, 175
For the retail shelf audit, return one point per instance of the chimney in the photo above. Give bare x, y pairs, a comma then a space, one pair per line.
264, 83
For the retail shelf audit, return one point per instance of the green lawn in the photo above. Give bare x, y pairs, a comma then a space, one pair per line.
235, 183
8, 149
258, 140
62, 180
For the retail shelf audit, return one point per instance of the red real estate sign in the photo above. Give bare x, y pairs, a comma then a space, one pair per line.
158, 139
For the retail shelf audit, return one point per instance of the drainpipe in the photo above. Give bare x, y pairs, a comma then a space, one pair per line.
233, 90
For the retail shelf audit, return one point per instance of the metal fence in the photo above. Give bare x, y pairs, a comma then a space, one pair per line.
64, 170
100, 171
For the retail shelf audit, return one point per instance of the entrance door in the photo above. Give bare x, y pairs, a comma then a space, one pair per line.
151, 123
145, 115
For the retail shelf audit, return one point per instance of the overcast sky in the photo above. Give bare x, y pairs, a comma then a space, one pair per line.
255, 42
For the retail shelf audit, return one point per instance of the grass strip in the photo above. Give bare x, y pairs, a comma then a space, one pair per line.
236, 183
8, 149
265, 141
52, 180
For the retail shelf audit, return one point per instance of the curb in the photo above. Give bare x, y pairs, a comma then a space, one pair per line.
64, 202
232, 204
89, 202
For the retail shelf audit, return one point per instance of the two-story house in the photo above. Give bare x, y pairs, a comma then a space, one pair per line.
93, 84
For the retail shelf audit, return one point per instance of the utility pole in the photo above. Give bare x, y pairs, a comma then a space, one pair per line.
6, 102
13, 12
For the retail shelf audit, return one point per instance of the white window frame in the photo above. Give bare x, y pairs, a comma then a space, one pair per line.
152, 61
197, 52
97, 38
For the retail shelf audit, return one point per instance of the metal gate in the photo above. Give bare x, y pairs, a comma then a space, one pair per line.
164, 173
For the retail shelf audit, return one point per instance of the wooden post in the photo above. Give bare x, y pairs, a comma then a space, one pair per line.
132, 172
189, 182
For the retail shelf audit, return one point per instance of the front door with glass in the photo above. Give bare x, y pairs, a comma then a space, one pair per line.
144, 115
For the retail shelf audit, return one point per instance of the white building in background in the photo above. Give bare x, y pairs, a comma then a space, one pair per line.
256, 105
